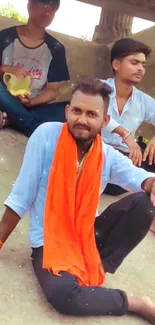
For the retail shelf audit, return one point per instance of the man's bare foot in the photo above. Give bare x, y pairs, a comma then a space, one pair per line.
152, 228
142, 306
4, 122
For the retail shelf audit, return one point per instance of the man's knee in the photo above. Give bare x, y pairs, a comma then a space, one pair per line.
64, 298
142, 198
139, 196
144, 206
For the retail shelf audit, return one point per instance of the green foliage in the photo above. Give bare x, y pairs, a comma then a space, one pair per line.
10, 12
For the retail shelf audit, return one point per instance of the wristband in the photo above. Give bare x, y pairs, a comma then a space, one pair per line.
1, 244
126, 136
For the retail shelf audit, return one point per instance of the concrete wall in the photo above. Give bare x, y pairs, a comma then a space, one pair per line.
148, 83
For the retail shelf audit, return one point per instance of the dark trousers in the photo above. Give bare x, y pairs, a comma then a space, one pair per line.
25, 119
112, 189
118, 230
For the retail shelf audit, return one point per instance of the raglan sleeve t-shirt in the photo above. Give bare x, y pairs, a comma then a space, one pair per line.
45, 63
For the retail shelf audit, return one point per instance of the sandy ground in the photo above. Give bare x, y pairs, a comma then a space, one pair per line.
22, 301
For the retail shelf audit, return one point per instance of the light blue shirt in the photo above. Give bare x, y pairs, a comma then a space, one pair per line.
30, 188
139, 108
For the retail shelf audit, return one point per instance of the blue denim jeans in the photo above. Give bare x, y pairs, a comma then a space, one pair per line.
28, 119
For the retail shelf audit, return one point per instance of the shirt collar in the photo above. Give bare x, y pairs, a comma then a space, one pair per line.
113, 94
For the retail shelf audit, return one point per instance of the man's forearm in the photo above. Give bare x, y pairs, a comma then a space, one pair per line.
9, 221
120, 131
4, 68
47, 96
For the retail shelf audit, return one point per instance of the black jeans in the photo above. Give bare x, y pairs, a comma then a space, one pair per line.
25, 119
118, 230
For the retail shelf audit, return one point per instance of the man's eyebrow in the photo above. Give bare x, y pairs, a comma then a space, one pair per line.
138, 61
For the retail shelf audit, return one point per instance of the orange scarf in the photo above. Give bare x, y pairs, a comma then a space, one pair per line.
70, 209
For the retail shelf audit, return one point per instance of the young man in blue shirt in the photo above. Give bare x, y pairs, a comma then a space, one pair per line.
129, 107
64, 161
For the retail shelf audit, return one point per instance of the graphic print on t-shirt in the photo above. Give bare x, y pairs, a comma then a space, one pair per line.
36, 67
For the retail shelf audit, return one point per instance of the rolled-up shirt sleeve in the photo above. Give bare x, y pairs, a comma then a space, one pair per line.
111, 126
25, 188
125, 174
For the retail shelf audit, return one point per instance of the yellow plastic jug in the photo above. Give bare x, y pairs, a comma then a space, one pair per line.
15, 86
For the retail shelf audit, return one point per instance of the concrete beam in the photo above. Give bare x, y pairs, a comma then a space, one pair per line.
134, 8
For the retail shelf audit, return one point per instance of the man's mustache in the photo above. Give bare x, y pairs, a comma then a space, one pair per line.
84, 127
138, 74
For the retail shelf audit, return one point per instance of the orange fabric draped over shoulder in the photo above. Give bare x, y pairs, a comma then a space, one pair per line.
70, 210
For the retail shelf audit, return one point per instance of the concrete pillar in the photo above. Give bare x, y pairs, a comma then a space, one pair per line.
113, 25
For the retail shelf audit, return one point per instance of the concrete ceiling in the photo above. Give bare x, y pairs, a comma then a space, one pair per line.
136, 8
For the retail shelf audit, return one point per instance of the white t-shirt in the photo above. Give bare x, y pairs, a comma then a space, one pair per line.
45, 63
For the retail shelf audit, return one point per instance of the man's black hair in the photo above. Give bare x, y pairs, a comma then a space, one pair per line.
127, 46
54, 3
94, 86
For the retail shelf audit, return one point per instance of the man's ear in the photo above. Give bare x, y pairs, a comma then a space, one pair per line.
67, 107
116, 65
105, 121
